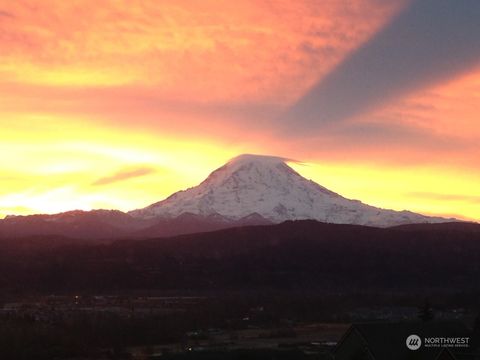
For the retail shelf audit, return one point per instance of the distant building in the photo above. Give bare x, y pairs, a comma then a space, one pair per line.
388, 341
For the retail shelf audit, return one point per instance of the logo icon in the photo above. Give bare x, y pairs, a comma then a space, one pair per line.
414, 342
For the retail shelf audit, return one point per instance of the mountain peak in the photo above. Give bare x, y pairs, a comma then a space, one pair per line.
249, 169
259, 159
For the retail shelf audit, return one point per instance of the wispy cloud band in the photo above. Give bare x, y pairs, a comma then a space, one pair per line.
123, 175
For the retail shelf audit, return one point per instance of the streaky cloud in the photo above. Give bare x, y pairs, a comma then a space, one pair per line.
428, 42
124, 174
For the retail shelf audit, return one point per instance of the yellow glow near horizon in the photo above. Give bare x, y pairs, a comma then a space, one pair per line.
60, 188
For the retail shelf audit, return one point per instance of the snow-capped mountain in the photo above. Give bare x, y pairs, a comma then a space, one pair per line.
248, 190
266, 187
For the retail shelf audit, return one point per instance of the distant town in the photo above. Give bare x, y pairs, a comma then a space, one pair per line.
155, 326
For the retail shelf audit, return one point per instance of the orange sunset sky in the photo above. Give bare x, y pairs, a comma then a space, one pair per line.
117, 104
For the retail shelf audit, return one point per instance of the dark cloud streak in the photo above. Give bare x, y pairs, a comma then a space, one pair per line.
122, 175
429, 42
